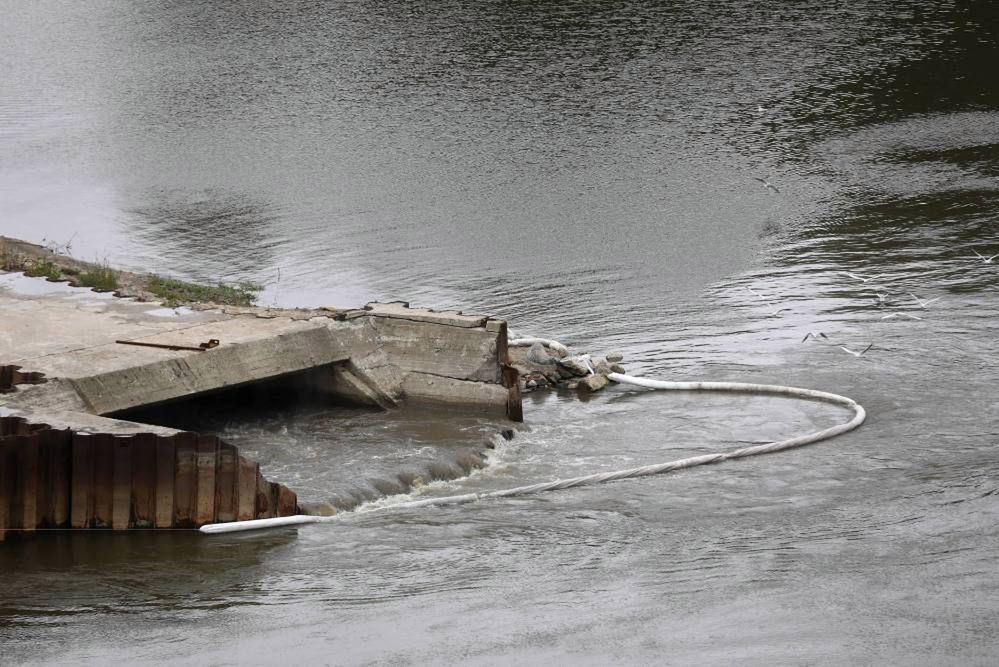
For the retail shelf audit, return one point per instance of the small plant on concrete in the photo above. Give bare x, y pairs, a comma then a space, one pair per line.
43, 268
101, 277
174, 292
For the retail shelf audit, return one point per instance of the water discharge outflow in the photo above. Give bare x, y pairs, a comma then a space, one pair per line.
859, 415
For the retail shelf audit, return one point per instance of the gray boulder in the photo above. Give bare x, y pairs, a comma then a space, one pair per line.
538, 355
574, 367
593, 383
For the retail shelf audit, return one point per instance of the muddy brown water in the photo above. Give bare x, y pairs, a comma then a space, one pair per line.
586, 170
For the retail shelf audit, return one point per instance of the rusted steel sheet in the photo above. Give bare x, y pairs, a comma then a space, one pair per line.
143, 505
287, 502
103, 489
8, 459
248, 474
58, 479
26, 487
18, 426
185, 487
514, 403
206, 462
58, 446
82, 481
226, 487
121, 494
166, 461
266, 500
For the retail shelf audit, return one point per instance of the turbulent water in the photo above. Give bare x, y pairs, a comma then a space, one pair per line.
588, 171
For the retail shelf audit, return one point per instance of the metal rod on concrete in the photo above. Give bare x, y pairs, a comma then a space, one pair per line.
167, 346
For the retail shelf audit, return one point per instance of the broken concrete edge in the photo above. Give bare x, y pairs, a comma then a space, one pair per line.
402, 310
84, 422
368, 359
350, 384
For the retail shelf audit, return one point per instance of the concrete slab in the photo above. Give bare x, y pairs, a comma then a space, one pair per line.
401, 310
71, 335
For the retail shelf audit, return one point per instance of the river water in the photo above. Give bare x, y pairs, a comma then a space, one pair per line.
588, 171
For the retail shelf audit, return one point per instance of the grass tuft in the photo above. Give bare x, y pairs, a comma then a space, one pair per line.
175, 292
101, 277
43, 268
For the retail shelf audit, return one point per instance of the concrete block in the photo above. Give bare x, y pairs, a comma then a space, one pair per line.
348, 383
199, 372
401, 310
491, 398
462, 353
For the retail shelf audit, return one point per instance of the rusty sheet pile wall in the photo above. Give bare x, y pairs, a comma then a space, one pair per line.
63, 479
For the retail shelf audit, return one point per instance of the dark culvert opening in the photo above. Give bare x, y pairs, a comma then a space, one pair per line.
206, 411
327, 447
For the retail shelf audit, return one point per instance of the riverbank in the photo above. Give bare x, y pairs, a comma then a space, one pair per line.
55, 264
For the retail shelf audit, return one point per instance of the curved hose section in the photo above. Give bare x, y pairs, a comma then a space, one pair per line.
545, 342
859, 415
644, 471
257, 524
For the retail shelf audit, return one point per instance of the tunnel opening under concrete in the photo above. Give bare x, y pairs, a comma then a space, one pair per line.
315, 388
330, 448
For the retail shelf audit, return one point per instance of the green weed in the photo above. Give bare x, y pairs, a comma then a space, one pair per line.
43, 268
174, 292
101, 277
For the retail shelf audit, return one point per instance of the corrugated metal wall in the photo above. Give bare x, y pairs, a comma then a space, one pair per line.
59, 479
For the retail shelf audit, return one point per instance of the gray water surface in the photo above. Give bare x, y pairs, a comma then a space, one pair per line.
586, 170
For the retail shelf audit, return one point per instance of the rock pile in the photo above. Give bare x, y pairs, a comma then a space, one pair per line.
543, 367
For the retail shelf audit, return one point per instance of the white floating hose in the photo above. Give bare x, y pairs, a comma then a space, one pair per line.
691, 462
256, 524
656, 469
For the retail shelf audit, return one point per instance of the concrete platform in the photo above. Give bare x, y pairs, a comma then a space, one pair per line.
378, 354
69, 367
